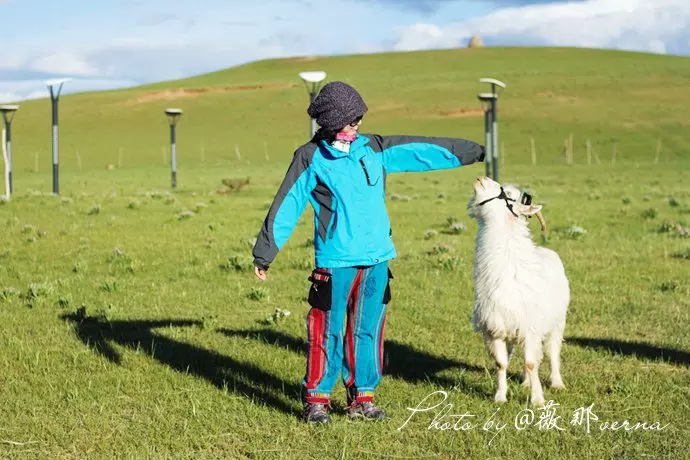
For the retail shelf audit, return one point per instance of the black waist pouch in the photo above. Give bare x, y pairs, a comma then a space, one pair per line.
387, 293
321, 289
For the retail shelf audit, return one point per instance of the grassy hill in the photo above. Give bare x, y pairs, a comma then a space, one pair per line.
610, 97
133, 327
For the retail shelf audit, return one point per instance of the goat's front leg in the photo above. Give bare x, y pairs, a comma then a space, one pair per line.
533, 356
498, 351
555, 340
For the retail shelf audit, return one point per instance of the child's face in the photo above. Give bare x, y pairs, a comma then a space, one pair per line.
352, 127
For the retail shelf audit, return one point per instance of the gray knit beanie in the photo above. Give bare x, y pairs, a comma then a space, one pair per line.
337, 105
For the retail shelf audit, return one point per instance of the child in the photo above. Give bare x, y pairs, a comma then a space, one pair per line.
342, 174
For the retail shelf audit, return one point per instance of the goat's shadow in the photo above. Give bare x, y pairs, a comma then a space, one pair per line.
641, 350
401, 361
242, 378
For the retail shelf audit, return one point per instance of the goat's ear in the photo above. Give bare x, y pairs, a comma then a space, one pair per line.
532, 209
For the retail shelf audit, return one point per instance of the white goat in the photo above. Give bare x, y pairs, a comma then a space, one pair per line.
521, 290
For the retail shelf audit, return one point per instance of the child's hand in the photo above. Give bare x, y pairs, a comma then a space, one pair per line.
260, 273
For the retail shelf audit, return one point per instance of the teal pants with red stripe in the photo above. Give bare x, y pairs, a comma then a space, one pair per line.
347, 340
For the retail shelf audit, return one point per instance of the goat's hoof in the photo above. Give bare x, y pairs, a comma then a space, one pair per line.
558, 385
537, 402
500, 398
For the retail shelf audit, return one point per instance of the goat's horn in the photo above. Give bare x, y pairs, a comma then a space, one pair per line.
542, 222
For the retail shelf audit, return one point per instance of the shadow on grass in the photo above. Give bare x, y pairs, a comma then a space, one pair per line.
226, 373
639, 349
401, 361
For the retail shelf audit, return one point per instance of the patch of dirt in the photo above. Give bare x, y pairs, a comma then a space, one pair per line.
560, 98
180, 93
462, 113
304, 59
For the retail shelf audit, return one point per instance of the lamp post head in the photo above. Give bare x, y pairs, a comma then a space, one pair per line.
494, 84
486, 99
312, 81
313, 77
56, 82
8, 112
173, 115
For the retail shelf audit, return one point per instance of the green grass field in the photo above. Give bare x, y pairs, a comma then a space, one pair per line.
133, 326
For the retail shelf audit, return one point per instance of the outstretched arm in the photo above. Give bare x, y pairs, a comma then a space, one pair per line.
419, 153
286, 209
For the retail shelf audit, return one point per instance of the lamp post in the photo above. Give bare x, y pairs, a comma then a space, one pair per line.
494, 120
8, 112
487, 101
173, 117
312, 80
55, 87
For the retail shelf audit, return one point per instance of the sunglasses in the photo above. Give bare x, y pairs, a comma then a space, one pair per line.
355, 122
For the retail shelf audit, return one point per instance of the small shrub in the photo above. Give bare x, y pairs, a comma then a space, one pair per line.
257, 294
430, 234
38, 290
673, 202
626, 200
668, 226
200, 206
452, 220
233, 185
9, 292
239, 263
448, 262
170, 199
109, 285
42, 234
575, 232
278, 315
26, 229
684, 254
209, 323
65, 301
213, 227
439, 249
66, 200
185, 215
94, 210
455, 228
668, 286
646, 198
134, 204
649, 213
80, 267
107, 313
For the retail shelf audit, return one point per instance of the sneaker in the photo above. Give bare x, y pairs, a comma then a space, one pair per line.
365, 410
315, 413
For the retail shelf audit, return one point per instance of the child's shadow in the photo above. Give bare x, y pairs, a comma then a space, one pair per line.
241, 378
401, 361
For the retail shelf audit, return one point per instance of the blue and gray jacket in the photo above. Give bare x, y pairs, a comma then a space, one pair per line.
347, 192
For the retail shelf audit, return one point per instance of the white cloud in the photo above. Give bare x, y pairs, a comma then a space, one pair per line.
63, 63
14, 91
660, 26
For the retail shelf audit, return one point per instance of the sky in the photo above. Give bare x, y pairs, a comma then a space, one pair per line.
106, 44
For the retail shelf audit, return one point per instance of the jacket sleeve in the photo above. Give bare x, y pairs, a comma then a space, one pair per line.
286, 209
418, 153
